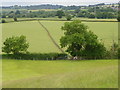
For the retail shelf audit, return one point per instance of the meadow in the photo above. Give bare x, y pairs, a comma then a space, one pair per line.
40, 42
60, 74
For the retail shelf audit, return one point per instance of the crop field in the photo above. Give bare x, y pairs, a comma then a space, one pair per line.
40, 42
60, 74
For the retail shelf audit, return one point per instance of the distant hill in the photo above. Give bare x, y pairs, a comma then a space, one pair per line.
49, 6
33, 7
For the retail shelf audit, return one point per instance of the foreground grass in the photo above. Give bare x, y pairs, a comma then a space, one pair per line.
60, 74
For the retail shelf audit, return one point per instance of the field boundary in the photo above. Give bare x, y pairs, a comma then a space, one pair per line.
50, 36
60, 20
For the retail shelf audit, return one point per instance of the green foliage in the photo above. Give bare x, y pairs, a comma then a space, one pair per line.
105, 15
17, 12
113, 53
91, 16
118, 18
36, 56
77, 10
3, 21
15, 19
11, 12
119, 53
68, 17
3, 16
15, 45
78, 41
60, 13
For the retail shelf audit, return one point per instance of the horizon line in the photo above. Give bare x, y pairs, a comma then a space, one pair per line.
94, 3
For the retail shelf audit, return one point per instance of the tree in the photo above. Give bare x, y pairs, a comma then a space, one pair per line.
3, 21
11, 12
68, 17
118, 18
119, 53
91, 16
15, 45
3, 16
77, 10
17, 12
78, 40
60, 13
15, 19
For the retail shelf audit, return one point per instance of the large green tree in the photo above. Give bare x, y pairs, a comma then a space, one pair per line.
80, 42
15, 45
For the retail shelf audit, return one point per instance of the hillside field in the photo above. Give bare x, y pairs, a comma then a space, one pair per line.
60, 74
39, 40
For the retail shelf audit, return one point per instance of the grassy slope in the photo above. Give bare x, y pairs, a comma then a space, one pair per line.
107, 31
60, 74
40, 42
37, 37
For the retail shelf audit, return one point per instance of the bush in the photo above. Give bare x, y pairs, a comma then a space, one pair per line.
118, 18
36, 56
3, 16
91, 16
119, 53
15, 19
114, 52
68, 17
3, 21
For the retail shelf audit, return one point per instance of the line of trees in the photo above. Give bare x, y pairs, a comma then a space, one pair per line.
74, 11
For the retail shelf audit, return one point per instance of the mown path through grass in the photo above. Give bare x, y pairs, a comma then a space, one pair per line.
49, 35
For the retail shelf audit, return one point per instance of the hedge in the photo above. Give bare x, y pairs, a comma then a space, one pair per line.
36, 56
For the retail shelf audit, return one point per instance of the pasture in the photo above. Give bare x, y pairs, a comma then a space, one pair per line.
60, 74
40, 42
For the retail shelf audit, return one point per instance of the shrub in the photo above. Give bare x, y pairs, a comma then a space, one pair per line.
119, 53
3, 21
15, 19
68, 17
36, 56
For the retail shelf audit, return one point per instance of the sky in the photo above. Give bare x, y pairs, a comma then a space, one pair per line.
54, 2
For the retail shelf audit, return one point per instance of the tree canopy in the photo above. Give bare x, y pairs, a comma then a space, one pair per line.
15, 45
80, 42
60, 13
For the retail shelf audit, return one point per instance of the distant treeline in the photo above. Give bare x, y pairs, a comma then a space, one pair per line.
99, 11
50, 6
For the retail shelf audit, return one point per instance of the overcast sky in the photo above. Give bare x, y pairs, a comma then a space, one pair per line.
59, 2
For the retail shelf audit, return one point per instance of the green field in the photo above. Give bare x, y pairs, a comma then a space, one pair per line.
60, 74
40, 42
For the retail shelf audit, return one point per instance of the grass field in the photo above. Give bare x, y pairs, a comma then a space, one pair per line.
60, 74
40, 42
